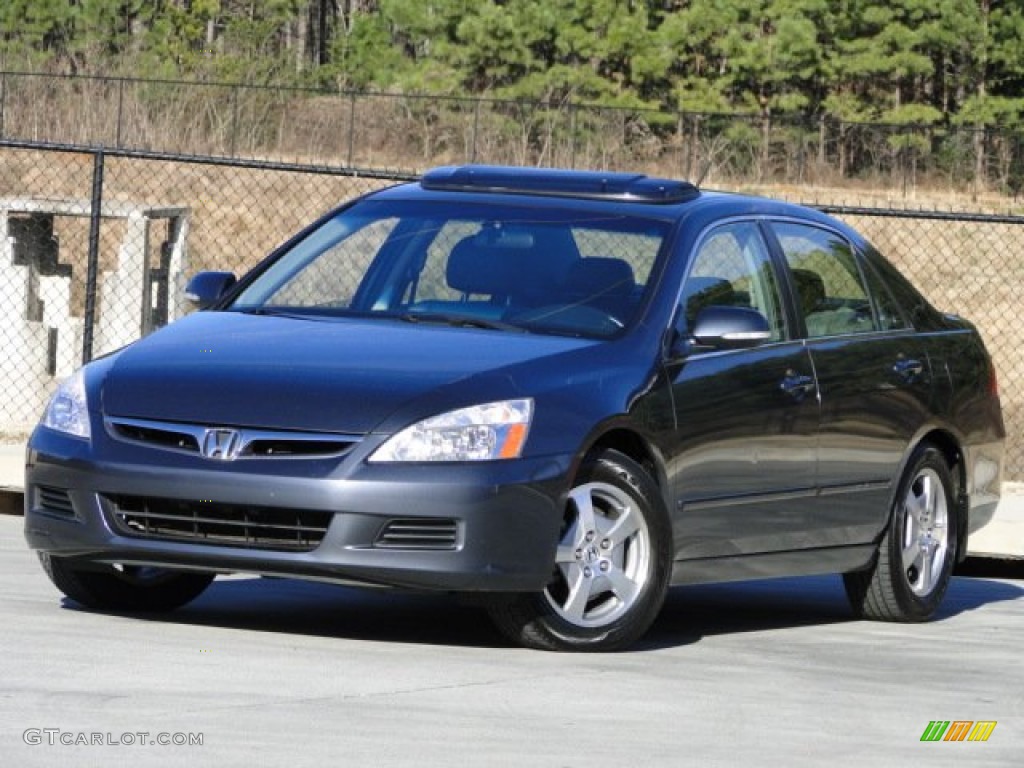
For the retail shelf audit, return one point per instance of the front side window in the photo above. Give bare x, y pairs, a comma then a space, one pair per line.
732, 267
830, 291
555, 271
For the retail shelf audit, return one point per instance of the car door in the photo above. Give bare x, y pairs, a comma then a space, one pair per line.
873, 377
743, 457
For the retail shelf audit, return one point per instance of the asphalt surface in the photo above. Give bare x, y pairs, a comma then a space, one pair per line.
275, 672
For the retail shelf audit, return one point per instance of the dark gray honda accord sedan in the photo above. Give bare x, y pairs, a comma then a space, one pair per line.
562, 392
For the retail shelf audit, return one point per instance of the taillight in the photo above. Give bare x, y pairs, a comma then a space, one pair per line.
993, 380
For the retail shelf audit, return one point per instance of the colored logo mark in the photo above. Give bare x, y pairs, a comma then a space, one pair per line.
958, 730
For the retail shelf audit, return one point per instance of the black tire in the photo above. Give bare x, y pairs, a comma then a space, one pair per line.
914, 565
618, 554
105, 588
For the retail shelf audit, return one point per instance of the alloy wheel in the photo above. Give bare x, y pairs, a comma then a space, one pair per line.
603, 560
925, 541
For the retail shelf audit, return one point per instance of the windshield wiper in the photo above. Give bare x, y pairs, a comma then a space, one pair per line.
290, 313
458, 321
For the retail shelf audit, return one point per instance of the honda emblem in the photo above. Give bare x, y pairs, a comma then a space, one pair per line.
221, 444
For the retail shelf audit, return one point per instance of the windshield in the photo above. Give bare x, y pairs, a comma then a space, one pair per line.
561, 271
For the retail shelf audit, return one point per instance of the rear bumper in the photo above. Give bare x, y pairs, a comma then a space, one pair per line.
1003, 535
507, 515
985, 480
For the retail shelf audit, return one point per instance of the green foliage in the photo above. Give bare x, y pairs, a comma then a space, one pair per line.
920, 62
37, 32
991, 111
912, 114
365, 57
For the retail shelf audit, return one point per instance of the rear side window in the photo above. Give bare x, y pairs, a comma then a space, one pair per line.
906, 296
890, 318
831, 295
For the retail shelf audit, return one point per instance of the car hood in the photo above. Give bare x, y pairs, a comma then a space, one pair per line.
336, 375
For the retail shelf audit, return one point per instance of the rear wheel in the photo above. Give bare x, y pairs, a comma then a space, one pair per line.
612, 565
915, 558
126, 588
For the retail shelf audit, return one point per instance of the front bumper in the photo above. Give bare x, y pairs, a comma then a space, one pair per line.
506, 514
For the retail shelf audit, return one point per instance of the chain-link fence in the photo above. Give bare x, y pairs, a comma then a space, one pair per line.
95, 248
414, 131
969, 265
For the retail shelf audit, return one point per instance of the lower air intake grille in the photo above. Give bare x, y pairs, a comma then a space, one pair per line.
419, 533
54, 500
230, 525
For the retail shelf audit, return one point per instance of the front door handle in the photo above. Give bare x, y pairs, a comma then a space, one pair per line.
796, 385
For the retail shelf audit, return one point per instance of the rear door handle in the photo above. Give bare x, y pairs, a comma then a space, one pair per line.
797, 386
908, 370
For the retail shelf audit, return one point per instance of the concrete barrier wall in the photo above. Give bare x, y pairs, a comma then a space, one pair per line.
43, 330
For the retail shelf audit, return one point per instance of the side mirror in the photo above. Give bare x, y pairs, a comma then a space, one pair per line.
205, 288
719, 328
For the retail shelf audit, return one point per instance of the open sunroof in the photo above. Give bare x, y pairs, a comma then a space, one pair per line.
625, 187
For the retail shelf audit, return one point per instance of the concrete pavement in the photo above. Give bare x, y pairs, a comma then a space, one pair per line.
276, 672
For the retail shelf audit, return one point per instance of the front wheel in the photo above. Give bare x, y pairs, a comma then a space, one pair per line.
611, 569
127, 588
915, 558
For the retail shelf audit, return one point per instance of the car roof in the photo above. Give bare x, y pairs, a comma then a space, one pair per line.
623, 193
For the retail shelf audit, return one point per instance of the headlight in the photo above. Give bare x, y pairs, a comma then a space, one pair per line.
67, 410
478, 433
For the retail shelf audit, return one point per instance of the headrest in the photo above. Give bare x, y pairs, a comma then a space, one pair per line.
810, 287
475, 266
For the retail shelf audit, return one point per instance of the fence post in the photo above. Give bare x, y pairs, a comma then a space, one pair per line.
1011, 184
120, 107
763, 172
803, 131
683, 171
92, 268
906, 155
694, 163
821, 143
3, 101
476, 127
572, 135
351, 126
234, 119
978, 140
